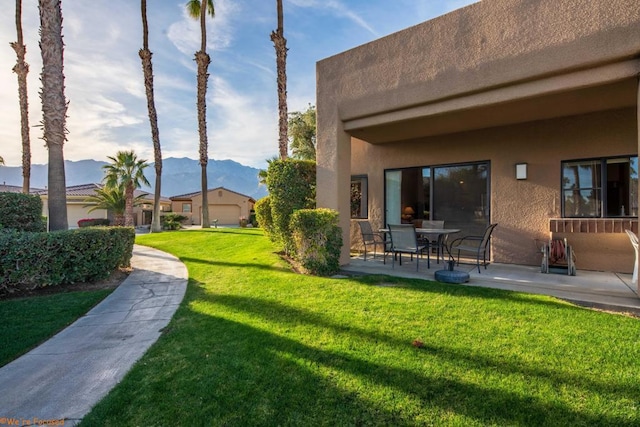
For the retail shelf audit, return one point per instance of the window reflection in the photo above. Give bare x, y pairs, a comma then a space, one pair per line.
600, 188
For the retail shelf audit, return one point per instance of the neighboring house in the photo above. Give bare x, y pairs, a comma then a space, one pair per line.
78, 208
517, 112
225, 206
4, 188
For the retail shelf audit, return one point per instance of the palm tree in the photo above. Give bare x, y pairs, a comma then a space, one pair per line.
1, 160
147, 69
303, 134
22, 69
263, 174
127, 173
198, 9
280, 44
54, 108
111, 199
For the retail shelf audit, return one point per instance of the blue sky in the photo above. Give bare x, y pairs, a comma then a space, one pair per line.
104, 84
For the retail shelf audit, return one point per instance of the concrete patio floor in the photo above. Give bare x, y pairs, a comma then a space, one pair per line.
598, 289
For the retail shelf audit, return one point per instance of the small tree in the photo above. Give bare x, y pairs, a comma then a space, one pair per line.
302, 133
127, 173
111, 199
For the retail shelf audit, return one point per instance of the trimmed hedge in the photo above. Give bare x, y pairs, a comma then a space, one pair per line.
292, 186
93, 222
37, 260
172, 221
317, 239
21, 212
263, 216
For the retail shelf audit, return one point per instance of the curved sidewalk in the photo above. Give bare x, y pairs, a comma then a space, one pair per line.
66, 376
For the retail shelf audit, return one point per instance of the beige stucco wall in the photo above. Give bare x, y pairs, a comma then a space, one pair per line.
481, 46
216, 197
486, 82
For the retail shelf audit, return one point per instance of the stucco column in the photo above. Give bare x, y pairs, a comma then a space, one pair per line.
638, 138
333, 154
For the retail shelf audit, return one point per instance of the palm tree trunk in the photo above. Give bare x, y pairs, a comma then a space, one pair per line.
128, 209
118, 220
22, 69
147, 69
54, 108
203, 60
280, 44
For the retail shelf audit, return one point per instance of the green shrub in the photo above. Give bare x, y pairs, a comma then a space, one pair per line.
292, 186
317, 240
93, 222
263, 216
35, 260
21, 212
172, 221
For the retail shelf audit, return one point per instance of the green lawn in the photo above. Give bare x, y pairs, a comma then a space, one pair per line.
255, 344
27, 322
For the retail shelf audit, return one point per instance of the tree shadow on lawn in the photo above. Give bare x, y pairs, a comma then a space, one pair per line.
277, 379
273, 311
247, 232
256, 265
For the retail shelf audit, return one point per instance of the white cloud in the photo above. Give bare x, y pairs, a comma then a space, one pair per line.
185, 33
339, 9
240, 128
104, 83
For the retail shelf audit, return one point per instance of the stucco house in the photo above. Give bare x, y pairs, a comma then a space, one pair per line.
78, 208
517, 112
225, 206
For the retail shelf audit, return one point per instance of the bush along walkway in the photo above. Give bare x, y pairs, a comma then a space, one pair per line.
64, 377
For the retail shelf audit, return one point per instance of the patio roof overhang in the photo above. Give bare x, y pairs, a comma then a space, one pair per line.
605, 87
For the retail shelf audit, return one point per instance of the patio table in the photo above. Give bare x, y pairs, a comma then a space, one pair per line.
440, 232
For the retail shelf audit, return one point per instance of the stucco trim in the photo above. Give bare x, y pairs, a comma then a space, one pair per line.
606, 74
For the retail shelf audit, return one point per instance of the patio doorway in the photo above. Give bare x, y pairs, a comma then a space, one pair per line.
457, 194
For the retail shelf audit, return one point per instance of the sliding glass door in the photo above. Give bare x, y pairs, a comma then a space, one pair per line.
392, 183
457, 194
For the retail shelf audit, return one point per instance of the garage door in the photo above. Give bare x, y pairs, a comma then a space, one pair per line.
225, 214
77, 212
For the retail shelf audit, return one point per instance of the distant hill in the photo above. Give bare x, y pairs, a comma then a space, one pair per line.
179, 176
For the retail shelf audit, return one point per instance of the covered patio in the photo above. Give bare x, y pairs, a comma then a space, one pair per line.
517, 112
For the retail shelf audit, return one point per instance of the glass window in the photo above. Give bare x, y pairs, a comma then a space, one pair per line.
359, 204
186, 207
600, 188
461, 196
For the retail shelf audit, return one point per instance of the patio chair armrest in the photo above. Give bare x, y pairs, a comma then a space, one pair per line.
376, 237
460, 240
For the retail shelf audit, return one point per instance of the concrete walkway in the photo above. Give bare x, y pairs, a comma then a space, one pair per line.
66, 376
604, 290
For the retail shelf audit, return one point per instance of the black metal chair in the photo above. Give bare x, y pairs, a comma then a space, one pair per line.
371, 238
405, 241
477, 245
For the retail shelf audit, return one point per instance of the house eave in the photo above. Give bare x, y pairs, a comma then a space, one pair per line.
605, 87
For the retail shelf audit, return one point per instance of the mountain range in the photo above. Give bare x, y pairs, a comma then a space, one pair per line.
179, 176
